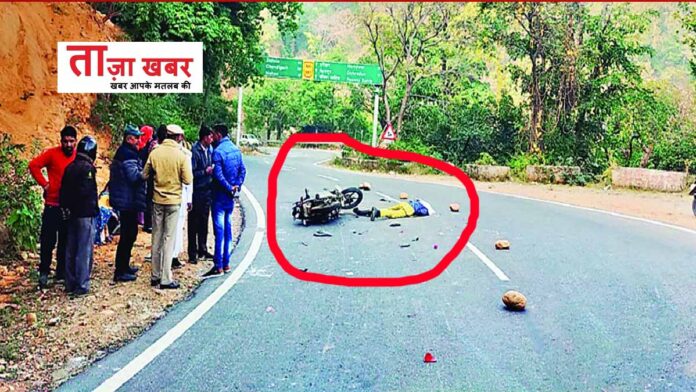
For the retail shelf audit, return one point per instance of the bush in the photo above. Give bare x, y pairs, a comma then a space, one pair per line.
486, 159
518, 164
417, 146
20, 203
112, 113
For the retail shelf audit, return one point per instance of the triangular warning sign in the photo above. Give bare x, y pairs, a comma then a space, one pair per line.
388, 133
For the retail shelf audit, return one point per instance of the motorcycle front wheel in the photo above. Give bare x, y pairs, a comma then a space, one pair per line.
351, 198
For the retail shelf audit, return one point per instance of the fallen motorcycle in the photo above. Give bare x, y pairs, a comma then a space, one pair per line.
325, 206
692, 192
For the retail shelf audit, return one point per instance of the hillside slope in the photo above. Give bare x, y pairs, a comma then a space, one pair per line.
30, 107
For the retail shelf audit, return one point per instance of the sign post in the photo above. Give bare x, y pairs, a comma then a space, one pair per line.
375, 114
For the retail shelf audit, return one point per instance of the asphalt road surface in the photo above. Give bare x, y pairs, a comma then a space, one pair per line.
611, 302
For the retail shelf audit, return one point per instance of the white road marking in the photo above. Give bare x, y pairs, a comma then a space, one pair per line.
386, 196
150, 353
615, 214
327, 177
322, 162
497, 271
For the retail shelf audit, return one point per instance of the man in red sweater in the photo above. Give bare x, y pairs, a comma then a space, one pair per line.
53, 227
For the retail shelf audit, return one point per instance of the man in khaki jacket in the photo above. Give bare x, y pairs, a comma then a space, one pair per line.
170, 169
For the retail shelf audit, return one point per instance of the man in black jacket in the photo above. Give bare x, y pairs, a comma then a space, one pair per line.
127, 196
198, 217
78, 200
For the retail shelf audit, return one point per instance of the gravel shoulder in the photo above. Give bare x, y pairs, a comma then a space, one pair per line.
46, 337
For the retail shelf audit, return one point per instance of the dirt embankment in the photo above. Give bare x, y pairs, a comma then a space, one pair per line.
31, 110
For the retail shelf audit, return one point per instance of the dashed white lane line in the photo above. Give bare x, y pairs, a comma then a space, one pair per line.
150, 353
327, 177
386, 196
497, 271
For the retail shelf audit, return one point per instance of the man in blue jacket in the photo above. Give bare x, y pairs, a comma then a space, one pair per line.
127, 196
228, 177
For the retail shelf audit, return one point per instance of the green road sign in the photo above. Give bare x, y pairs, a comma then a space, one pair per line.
276, 67
347, 73
324, 71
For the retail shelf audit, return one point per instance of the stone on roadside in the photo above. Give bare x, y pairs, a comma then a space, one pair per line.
454, 207
514, 300
502, 245
31, 319
403, 195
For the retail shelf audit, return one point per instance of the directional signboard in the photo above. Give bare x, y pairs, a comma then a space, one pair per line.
322, 71
277, 67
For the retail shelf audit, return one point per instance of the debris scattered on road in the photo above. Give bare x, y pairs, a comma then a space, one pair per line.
502, 245
395, 224
454, 207
31, 319
304, 269
411, 315
405, 245
429, 358
514, 300
322, 233
349, 273
365, 186
384, 200
415, 239
435, 246
304, 243
270, 309
403, 195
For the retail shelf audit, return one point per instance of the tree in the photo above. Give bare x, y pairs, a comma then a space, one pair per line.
687, 16
405, 39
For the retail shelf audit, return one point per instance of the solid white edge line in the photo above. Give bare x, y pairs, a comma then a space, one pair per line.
497, 271
150, 353
558, 203
328, 178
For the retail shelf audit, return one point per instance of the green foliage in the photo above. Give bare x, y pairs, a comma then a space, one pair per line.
417, 146
113, 112
486, 159
20, 203
230, 32
279, 105
518, 164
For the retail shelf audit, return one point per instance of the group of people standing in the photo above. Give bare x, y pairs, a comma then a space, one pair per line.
154, 180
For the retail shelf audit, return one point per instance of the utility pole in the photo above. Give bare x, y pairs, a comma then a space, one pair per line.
239, 114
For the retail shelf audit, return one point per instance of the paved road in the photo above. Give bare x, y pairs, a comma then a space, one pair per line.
611, 303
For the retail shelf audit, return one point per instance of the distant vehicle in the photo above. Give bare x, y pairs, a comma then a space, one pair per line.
249, 140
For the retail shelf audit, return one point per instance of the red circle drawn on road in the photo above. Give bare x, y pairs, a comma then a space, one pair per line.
378, 152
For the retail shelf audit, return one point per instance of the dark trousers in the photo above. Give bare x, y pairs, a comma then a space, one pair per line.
129, 233
147, 224
79, 254
198, 219
53, 229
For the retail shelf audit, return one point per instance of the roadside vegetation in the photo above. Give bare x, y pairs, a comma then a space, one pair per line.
516, 84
